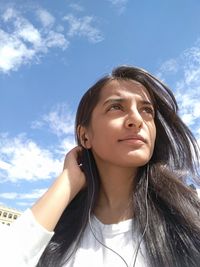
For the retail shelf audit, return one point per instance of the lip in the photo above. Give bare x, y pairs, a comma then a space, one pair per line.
132, 138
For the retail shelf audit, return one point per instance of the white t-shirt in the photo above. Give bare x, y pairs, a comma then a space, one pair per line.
25, 240
118, 237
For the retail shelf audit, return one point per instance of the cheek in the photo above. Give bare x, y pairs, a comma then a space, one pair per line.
104, 130
102, 139
96, 137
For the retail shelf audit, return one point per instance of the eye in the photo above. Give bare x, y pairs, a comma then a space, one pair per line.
115, 107
149, 110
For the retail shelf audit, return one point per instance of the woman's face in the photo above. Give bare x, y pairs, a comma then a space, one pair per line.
122, 131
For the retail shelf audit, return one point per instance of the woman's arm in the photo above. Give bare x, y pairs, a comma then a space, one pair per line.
49, 208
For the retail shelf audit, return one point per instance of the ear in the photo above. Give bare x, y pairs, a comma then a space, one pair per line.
83, 136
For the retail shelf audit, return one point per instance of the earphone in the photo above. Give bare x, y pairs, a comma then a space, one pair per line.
147, 218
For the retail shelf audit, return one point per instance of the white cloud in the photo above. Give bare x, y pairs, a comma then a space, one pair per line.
34, 194
13, 52
66, 145
10, 195
45, 17
24, 200
188, 100
30, 34
9, 14
186, 68
118, 2
197, 132
77, 7
120, 5
24, 39
83, 27
188, 93
24, 204
60, 121
168, 67
4, 165
56, 39
23, 159
22, 42
187, 118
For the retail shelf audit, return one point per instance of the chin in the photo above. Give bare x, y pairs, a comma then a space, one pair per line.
134, 164
138, 160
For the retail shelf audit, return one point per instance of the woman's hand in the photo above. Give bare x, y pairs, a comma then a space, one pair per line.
73, 169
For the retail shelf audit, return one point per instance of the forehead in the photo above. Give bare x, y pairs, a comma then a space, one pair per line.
125, 89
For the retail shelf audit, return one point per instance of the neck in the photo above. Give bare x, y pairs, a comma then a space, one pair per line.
115, 201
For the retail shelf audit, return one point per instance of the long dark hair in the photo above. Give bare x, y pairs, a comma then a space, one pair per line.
172, 237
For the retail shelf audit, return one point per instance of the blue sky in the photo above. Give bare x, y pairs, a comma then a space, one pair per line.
52, 51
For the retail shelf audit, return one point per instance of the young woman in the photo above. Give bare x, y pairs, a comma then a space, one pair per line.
122, 198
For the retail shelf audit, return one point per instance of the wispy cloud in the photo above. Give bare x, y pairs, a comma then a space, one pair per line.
65, 145
77, 7
120, 5
185, 70
83, 27
22, 42
45, 18
34, 194
60, 121
168, 67
23, 200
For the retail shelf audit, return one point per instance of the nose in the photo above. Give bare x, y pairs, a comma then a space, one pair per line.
133, 120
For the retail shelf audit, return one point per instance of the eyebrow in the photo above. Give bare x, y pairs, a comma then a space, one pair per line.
120, 100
